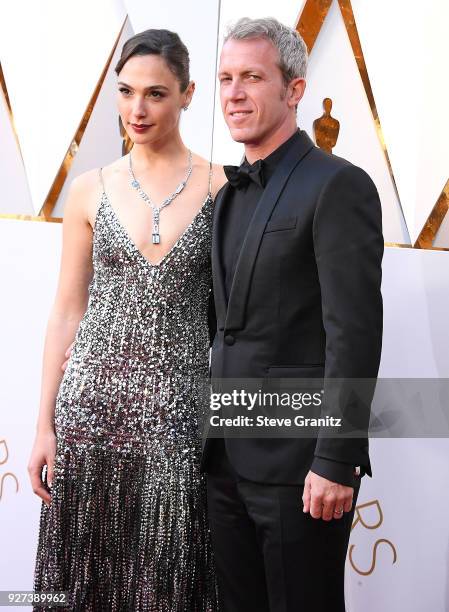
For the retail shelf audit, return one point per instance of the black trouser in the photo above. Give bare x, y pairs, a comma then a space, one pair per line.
269, 555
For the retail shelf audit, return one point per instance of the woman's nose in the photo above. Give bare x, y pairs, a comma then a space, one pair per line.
139, 108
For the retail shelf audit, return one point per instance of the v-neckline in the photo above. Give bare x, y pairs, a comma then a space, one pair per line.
133, 245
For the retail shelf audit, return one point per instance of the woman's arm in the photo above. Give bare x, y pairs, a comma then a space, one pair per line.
68, 308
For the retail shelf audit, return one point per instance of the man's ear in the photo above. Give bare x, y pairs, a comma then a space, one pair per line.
296, 89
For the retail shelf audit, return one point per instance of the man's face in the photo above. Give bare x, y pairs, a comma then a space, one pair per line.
252, 90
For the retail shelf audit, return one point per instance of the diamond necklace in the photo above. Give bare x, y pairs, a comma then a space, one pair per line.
157, 209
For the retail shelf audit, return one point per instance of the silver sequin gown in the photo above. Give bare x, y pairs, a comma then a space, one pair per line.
127, 527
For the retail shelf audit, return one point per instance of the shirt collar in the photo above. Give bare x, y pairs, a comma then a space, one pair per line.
271, 161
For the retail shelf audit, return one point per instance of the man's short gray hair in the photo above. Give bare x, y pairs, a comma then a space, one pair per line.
292, 48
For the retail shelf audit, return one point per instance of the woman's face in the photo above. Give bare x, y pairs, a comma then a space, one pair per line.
149, 99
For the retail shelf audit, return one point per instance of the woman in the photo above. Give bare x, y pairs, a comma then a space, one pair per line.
124, 523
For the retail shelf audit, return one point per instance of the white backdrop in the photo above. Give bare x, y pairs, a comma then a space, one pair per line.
403, 508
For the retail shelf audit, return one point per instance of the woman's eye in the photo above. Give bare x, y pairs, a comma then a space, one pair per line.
156, 94
123, 90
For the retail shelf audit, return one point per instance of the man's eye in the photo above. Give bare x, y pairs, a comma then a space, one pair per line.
254, 77
223, 79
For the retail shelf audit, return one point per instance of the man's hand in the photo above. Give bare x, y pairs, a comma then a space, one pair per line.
67, 354
326, 499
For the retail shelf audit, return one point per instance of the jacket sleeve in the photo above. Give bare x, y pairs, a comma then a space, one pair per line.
348, 244
343, 473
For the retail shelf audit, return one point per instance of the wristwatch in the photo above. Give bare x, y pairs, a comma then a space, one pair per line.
357, 470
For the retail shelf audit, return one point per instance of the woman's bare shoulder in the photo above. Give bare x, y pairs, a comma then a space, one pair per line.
85, 190
118, 165
86, 180
218, 175
89, 183
218, 178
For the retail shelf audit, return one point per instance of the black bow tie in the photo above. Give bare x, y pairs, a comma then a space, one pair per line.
240, 176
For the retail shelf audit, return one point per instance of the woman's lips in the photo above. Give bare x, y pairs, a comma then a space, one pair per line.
140, 127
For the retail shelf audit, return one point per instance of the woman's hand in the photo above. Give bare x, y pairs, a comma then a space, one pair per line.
43, 453
67, 354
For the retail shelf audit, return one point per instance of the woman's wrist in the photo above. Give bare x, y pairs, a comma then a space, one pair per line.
45, 428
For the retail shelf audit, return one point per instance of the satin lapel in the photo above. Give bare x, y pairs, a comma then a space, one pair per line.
217, 268
238, 297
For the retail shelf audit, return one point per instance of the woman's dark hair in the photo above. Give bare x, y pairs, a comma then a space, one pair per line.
159, 42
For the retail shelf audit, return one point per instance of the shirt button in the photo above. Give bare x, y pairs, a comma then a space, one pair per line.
229, 339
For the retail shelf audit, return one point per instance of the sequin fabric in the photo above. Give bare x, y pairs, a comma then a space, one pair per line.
127, 526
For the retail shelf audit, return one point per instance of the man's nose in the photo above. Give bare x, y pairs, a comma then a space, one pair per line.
236, 90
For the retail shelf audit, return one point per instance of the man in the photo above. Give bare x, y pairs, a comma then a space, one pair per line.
297, 250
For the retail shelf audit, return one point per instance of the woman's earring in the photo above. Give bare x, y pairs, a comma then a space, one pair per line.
186, 107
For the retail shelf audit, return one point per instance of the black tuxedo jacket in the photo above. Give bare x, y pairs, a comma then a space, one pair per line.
305, 301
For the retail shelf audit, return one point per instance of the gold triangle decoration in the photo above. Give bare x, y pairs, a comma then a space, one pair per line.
5, 91
61, 176
45, 213
434, 220
309, 25
8, 106
311, 20
23, 217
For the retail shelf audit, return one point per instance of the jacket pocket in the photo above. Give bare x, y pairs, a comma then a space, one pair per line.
296, 371
281, 224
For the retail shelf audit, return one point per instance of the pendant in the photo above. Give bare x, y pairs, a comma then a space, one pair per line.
156, 236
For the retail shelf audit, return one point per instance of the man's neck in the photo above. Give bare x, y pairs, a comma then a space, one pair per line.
260, 150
